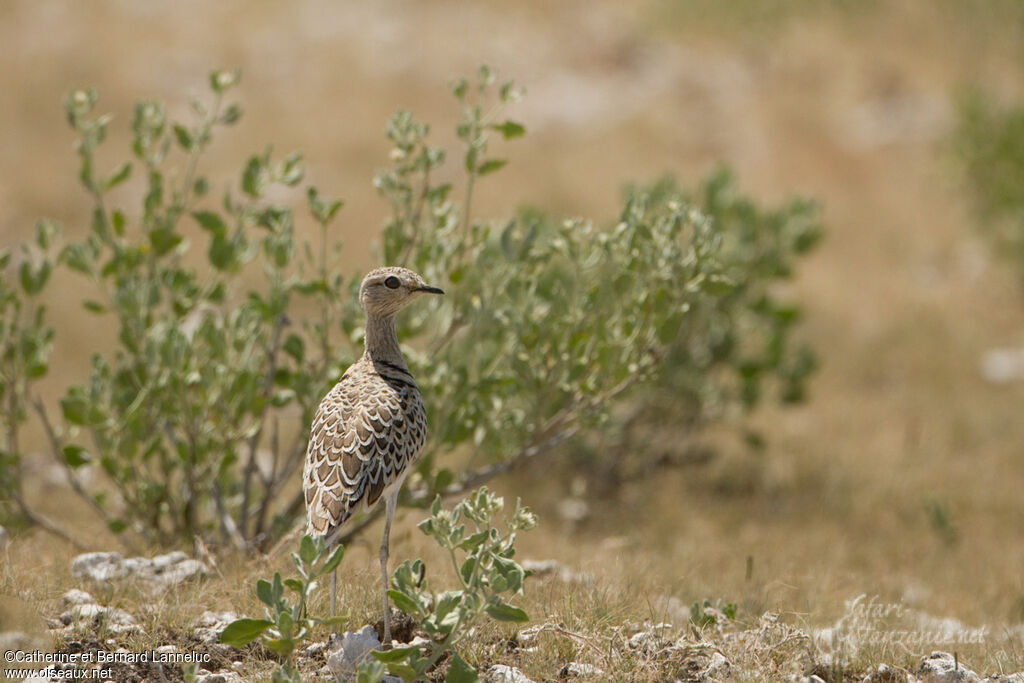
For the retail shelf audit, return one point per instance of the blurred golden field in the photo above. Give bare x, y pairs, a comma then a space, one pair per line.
851, 104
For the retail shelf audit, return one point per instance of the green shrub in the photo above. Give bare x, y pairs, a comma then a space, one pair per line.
989, 142
548, 326
207, 359
25, 341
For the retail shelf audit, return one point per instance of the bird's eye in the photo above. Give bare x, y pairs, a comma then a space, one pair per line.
392, 282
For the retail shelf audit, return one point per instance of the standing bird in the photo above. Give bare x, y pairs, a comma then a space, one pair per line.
370, 428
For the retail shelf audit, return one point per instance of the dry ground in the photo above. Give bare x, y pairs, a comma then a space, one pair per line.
851, 105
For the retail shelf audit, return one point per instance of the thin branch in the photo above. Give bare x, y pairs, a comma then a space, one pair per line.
45, 524
227, 525
250, 468
73, 480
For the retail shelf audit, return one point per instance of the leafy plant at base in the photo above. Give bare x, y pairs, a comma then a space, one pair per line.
287, 624
481, 561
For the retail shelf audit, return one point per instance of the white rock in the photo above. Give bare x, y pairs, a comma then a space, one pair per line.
580, 670
220, 677
718, 668
90, 614
78, 597
100, 567
162, 562
166, 649
180, 572
941, 667
18, 640
160, 573
209, 625
350, 649
556, 569
1000, 366
500, 673
4, 538
573, 510
87, 612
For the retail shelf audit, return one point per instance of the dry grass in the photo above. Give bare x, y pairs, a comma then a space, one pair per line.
850, 107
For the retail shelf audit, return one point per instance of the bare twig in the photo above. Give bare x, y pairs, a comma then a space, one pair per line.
42, 522
250, 468
227, 525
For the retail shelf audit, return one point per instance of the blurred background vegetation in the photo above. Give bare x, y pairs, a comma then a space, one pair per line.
901, 472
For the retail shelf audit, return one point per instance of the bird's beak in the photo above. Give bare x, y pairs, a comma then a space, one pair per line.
430, 290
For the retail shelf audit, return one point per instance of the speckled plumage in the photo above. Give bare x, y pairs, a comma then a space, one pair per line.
368, 432
370, 428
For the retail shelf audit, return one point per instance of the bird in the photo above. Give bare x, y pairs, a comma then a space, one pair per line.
369, 430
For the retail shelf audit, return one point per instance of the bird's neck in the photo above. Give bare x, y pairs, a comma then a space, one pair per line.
382, 341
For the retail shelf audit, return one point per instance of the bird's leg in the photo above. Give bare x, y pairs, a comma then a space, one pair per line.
389, 502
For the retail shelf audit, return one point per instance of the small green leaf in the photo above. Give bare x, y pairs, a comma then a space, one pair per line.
490, 166
282, 646
292, 169
307, 549
183, 136
265, 593
243, 631
295, 347
211, 221
119, 176
396, 654
75, 409
404, 602
231, 115
460, 671
403, 671
370, 671
255, 176
75, 456
505, 612
510, 129
333, 562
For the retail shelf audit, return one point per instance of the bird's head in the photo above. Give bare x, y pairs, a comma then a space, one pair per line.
386, 291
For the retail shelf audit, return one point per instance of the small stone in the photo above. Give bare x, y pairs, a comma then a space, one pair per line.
349, 650
500, 673
162, 562
87, 612
159, 574
885, 674
100, 567
166, 649
942, 667
1001, 366
580, 670
209, 625
542, 567
78, 597
219, 677
181, 572
650, 640
718, 668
